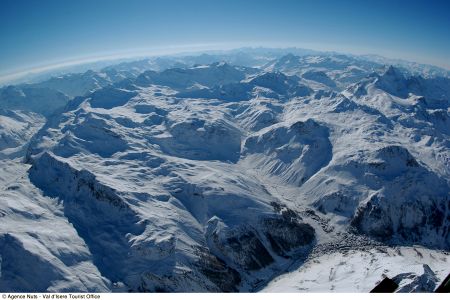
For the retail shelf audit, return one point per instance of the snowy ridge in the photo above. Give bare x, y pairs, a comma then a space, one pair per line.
268, 84
35, 99
35, 257
16, 129
178, 78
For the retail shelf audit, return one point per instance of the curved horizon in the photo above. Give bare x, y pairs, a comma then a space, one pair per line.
10, 78
70, 62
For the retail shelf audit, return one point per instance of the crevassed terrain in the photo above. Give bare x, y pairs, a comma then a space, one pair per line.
180, 176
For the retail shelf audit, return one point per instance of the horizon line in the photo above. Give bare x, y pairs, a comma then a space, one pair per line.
9, 78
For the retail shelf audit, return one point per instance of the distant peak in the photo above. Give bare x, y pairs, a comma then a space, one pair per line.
90, 72
276, 75
288, 57
392, 71
221, 64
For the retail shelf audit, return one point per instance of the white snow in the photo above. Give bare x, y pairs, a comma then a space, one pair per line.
214, 177
359, 271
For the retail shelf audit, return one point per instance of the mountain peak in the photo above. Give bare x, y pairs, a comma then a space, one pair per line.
288, 56
393, 72
394, 82
221, 64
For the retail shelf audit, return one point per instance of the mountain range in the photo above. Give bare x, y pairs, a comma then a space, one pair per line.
248, 170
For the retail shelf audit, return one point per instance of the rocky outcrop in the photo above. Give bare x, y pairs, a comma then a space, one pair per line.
417, 283
252, 248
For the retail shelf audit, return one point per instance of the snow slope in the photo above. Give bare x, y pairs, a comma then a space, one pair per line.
34, 99
16, 130
414, 269
40, 250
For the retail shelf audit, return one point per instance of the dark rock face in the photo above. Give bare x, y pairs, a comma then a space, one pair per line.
247, 251
225, 278
251, 248
411, 222
285, 235
373, 220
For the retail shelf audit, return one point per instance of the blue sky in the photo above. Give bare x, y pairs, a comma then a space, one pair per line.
36, 34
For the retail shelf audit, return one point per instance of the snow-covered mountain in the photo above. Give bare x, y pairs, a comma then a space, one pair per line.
34, 99
50, 95
192, 78
219, 177
78, 84
266, 84
333, 71
16, 130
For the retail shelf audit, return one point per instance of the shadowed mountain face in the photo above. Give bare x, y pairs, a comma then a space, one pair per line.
191, 175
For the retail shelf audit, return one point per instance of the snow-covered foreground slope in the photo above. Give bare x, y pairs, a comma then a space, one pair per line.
413, 269
39, 249
221, 178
